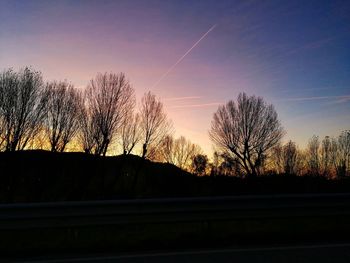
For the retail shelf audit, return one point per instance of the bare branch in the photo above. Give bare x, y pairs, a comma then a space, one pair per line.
246, 130
179, 152
22, 107
130, 132
154, 123
62, 114
108, 99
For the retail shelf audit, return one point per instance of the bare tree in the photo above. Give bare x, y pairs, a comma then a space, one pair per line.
86, 128
277, 158
184, 152
326, 156
2, 130
313, 151
215, 164
166, 150
22, 107
179, 152
344, 151
39, 141
108, 98
286, 159
340, 153
291, 158
153, 122
62, 114
130, 132
247, 131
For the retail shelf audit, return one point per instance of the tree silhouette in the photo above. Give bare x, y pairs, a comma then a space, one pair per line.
130, 132
86, 138
291, 158
2, 130
214, 165
247, 131
286, 159
313, 151
22, 107
184, 152
326, 156
340, 153
179, 152
166, 150
277, 159
108, 98
344, 150
62, 114
153, 122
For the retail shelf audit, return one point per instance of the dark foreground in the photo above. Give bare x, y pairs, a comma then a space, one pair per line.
308, 253
252, 225
82, 205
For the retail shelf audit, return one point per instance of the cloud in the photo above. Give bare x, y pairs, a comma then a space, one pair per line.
344, 99
288, 90
201, 105
312, 45
338, 99
182, 98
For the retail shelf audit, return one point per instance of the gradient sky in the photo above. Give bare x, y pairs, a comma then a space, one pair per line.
295, 54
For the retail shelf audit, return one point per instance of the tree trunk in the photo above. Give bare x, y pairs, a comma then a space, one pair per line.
144, 150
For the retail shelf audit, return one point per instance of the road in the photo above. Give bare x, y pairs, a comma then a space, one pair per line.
170, 210
310, 253
173, 224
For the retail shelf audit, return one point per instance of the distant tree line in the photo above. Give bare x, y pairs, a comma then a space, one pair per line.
329, 157
103, 117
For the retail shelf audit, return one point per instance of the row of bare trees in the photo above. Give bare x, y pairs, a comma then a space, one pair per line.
246, 133
329, 157
55, 114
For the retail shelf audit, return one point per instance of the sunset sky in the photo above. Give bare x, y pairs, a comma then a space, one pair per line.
295, 54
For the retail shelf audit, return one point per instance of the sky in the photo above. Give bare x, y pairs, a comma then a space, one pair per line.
196, 55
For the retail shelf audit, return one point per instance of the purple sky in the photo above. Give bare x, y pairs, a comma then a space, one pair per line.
295, 54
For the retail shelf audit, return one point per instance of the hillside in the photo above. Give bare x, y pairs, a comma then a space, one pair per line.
41, 176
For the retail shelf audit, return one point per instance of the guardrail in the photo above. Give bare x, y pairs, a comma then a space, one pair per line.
67, 214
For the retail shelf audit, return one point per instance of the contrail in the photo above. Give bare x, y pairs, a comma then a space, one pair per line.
184, 55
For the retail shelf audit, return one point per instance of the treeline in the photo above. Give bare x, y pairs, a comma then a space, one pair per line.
103, 119
329, 157
56, 116
100, 119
